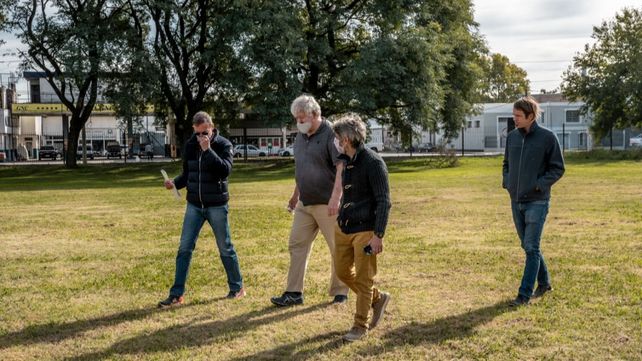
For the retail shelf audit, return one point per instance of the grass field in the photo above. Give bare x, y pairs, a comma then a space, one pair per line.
87, 254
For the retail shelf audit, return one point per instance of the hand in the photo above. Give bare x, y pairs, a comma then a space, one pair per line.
292, 202
333, 206
204, 142
169, 184
377, 244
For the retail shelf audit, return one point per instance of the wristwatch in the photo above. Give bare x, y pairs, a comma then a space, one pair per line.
379, 234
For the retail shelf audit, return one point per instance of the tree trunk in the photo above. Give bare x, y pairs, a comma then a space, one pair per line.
72, 145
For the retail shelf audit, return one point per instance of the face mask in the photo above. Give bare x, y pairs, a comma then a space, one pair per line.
337, 144
304, 128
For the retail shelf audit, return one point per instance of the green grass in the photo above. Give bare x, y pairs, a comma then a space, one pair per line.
86, 255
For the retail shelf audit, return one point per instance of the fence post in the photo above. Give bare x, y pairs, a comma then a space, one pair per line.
463, 130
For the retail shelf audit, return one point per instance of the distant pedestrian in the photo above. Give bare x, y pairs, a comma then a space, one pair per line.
533, 162
149, 151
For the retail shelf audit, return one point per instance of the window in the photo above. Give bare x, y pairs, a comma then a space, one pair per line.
34, 89
572, 116
582, 139
477, 123
469, 124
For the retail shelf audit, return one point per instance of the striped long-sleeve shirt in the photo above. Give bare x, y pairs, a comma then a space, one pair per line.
365, 204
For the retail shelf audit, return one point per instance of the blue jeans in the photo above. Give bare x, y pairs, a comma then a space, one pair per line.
529, 220
194, 219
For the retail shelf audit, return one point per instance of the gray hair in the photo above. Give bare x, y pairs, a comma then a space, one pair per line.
305, 104
350, 126
202, 117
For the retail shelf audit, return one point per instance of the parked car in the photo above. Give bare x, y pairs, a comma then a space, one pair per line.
376, 146
48, 151
89, 149
252, 151
286, 152
636, 141
114, 150
426, 147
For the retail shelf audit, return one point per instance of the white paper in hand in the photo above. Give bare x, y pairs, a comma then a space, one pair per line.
175, 191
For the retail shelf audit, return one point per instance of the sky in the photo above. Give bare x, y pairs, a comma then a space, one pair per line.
540, 36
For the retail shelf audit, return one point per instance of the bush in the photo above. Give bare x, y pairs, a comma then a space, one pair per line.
605, 155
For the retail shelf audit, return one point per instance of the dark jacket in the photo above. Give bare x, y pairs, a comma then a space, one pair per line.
533, 162
365, 203
205, 172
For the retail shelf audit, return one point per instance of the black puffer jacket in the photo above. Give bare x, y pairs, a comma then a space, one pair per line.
205, 172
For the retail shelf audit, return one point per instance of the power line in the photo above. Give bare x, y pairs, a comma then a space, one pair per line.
540, 61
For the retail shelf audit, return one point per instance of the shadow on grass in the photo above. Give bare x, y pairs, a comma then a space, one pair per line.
414, 334
447, 328
287, 352
194, 335
142, 175
57, 332
97, 176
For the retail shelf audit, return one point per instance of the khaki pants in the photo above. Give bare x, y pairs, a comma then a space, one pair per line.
357, 270
308, 220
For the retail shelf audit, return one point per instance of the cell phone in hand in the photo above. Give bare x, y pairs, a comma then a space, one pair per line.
367, 250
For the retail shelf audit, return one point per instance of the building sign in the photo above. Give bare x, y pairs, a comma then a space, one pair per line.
59, 108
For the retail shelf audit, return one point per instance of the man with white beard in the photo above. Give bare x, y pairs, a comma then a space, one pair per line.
315, 200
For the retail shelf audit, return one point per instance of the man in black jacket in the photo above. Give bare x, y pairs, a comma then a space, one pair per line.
362, 221
207, 162
533, 162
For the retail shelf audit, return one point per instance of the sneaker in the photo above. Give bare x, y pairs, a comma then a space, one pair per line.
378, 309
171, 301
236, 294
519, 301
340, 299
541, 290
288, 299
355, 333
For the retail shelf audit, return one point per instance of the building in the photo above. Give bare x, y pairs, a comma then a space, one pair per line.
8, 141
487, 131
41, 121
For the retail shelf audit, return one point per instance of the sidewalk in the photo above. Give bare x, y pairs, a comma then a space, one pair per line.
36, 162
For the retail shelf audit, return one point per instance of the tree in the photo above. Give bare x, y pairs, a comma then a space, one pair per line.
607, 76
4, 21
464, 66
193, 47
407, 63
73, 43
503, 81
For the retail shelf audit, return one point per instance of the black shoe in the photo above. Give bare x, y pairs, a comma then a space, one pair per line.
519, 301
340, 299
541, 290
288, 299
171, 301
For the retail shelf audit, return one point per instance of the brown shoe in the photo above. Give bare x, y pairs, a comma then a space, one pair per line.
236, 294
378, 309
355, 333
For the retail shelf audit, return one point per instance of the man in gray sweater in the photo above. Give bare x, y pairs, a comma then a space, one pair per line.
315, 200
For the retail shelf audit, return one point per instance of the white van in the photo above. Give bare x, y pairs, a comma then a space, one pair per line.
90, 151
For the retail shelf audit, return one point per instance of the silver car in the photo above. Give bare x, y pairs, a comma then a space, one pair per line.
252, 151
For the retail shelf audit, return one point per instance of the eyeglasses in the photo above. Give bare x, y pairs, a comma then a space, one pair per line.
201, 133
